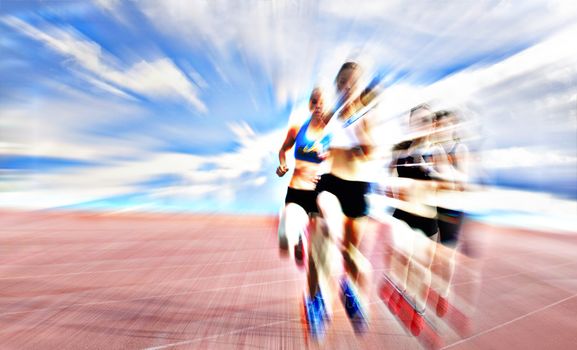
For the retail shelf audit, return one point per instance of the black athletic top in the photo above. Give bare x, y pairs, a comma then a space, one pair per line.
408, 167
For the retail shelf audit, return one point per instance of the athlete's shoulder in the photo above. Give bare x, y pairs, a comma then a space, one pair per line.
460, 148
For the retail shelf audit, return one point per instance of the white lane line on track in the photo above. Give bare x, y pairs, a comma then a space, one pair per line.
186, 342
490, 279
509, 322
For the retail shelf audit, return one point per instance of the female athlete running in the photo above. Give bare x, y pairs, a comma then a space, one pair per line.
301, 197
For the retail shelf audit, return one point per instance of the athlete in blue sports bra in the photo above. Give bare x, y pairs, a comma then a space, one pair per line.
306, 149
301, 196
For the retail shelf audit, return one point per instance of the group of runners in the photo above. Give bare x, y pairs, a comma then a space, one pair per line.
326, 208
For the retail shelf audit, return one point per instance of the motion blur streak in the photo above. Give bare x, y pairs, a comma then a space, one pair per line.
138, 149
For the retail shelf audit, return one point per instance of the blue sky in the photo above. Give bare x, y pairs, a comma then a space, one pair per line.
183, 104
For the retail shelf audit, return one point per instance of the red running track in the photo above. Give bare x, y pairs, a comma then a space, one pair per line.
136, 281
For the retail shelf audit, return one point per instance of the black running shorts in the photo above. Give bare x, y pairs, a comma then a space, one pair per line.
351, 194
449, 224
427, 225
307, 199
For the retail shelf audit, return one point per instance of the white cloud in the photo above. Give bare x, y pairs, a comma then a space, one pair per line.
159, 78
525, 157
221, 175
277, 38
108, 4
528, 95
298, 44
242, 130
422, 34
528, 98
53, 198
65, 126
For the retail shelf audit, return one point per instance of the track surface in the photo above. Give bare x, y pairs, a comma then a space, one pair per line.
93, 281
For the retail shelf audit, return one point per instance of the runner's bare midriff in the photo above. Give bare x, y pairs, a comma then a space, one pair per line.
305, 175
347, 166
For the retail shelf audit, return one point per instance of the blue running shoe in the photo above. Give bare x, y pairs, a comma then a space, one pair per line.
314, 318
353, 307
322, 307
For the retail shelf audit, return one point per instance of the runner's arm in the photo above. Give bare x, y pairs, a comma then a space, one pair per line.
287, 145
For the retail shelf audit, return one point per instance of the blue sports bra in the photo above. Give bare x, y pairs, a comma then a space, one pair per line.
306, 149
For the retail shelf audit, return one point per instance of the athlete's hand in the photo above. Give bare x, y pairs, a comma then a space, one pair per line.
281, 170
444, 186
403, 194
389, 192
316, 179
358, 152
